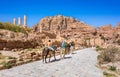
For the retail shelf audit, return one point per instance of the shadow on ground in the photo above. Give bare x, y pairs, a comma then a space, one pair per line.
60, 59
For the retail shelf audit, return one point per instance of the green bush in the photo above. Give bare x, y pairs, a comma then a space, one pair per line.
98, 48
6, 65
112, 68
10, 57
11, 27
109, 74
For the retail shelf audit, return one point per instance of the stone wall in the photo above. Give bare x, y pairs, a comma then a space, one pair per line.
12, 44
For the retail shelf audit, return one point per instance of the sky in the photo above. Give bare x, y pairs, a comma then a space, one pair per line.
93, 12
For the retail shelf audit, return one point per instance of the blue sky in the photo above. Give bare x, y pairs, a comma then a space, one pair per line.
93, 12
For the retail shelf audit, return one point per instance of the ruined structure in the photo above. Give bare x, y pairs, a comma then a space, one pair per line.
63, 24
78, 31
14, 21
58, 28
25, 21
40, 29
19, 21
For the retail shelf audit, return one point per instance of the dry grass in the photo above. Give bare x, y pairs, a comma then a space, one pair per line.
110, 54
11, 27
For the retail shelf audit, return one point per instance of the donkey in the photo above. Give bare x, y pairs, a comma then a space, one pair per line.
48, 51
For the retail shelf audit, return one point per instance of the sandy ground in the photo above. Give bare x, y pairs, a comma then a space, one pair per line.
81, 64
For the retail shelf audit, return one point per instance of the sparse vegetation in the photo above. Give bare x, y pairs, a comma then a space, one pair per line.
98, 48
108, 57
11, 27
109, 74
112, 68
109, 54
6, 65
10, 57
30, 49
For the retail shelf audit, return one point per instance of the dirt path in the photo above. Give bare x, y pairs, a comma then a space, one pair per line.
81, 64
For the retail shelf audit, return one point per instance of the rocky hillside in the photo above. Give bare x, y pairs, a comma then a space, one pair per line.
69, 26
12, 36
110, 33
66, 25
11, 40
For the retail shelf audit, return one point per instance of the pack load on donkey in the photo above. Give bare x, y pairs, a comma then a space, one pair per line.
48, 51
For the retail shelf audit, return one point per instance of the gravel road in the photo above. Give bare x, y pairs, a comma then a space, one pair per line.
81, 64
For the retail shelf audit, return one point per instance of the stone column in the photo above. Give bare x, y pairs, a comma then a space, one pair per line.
25, 20
40, 28
14, 21
19, 21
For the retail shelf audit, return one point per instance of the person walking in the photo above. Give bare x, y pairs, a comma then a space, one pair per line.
63, 49
72, 45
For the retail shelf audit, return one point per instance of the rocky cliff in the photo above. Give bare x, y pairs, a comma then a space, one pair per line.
69, 26
11, 40
110, 33
66, 25
54, 27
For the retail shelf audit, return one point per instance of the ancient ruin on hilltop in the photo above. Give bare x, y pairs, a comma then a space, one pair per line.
58, 28
20, 21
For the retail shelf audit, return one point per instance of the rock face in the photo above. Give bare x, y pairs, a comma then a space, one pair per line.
67, 26
110, 33
118, 29
72, 28
57, 28
60, 23
107, 31
11, 40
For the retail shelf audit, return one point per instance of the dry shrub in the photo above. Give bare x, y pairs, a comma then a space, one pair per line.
11, 27
110, 54
98, 48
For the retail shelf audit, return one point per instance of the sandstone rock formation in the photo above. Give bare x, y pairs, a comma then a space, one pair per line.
109, 33
61, 23
66, 27
11, 40
57, 28
69, 27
